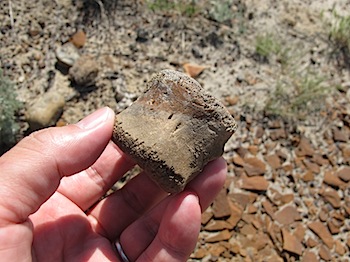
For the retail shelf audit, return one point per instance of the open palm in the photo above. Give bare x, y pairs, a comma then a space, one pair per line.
51, 184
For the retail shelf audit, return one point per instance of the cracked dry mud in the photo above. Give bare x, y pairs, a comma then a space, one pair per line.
174, 129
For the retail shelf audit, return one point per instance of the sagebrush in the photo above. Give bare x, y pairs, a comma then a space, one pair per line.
9, 106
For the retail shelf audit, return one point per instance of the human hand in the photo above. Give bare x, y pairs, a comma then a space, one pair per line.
50, 186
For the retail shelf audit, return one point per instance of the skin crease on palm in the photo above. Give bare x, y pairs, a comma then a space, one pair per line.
51, 183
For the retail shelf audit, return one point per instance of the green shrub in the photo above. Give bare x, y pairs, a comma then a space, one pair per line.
267, 45
221, 11
340, 32
297, 97
9, 105
339, 35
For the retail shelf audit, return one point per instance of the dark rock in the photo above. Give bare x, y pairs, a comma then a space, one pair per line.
84, 71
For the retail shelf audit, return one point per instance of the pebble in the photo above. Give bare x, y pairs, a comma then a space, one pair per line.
334, 229
331, 196
305, 148
291, 243
78, 39
193, 70
322, 232
313, 167
219, 236
45, 111
339, 135
339, 248
333, 180
344, 173
218, 225
221, 207
254, 166
274, 161
256, 183
67, 54
287, 215
84, 71
309, 256
324, 253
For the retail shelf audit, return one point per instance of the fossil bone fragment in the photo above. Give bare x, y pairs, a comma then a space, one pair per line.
173, 129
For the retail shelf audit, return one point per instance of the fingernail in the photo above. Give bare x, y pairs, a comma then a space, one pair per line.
95, 119
192, 196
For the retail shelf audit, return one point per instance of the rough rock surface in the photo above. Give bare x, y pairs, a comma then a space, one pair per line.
84, 71
45, 111
174, 129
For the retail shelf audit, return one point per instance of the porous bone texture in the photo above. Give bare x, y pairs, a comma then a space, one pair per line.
173, 129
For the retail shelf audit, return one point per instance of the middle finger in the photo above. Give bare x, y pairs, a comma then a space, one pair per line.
114, 213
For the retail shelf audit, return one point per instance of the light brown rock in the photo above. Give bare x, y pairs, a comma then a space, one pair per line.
253, 149
333, 180
324, 253
333, 227
206, 216
219, 236
344, 173
268, 208
346, 153
310, 242
287, 215
304, 148
274, 161
291, 243
322, 232
280, 199
237, 160
331, 196
339, 135
199, 253
256, 183
259, 132
46, 110
78, 39
287, 198
254, 166
243, 199
248, 229
231, 100
313, 167
221, 207
323, 215
216, 249
320, 159
252, 209
217, 225
308, 176
299, 232
260, 241
173, 129
309, 256
339, 248
236, 214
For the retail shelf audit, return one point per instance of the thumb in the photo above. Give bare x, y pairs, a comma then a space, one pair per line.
31, 171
